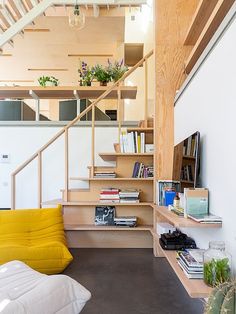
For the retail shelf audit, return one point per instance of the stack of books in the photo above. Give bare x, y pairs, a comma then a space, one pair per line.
132, 142
126, 221
105, 174
129, 196
206, 218
142, 171
109, 195
191, 262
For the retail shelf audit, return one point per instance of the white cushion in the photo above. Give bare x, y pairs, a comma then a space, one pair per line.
24, 290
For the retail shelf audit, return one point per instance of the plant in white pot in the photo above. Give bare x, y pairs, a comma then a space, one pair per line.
48, 81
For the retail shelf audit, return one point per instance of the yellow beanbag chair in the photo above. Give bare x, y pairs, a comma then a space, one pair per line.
35, 237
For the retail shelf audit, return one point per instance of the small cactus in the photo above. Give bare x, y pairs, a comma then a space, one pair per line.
222, 299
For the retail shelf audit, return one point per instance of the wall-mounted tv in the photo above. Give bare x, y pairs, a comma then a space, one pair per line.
186, 165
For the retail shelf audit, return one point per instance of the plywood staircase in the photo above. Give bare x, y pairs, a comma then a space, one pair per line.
79, 204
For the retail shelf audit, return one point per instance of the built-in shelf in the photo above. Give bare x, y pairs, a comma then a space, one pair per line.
65, 92
187, 182
111, 179
93, 203
196, 288
145, 130
181, 222
113, 156
77, 227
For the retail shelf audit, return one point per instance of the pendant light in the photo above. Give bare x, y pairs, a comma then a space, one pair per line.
77, 18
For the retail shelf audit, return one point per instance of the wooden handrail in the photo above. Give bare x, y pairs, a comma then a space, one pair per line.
71, 123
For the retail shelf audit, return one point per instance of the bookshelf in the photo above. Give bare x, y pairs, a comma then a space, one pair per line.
94, 203
196, 288
180, 222
111, 179
84, 227
114, 156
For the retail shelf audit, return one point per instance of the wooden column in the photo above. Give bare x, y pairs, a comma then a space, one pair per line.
172, 20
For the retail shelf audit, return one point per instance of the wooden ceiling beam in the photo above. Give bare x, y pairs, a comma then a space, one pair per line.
217, 16
200, 18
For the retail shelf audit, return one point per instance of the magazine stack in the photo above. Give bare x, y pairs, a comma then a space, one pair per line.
191, 262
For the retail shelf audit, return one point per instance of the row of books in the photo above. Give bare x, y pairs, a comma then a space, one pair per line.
105, 216
132, 142
186, 173
190, 146
113, 195
142, 171
191, 262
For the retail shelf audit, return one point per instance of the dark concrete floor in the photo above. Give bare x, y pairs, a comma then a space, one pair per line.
130, 281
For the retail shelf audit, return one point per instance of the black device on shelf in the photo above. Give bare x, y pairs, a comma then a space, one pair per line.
176, 240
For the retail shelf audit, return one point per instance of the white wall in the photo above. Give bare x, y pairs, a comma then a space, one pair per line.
208, 105
22, 142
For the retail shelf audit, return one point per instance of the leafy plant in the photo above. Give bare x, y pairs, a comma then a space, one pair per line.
216, 271
116, 69
222, 299
44, 79
86, 74
101, 73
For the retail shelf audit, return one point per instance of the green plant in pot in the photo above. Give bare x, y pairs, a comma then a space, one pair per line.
102, 74
222, 299
116, 69
48, 81
86, 74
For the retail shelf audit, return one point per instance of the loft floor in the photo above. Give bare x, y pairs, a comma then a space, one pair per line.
130, 281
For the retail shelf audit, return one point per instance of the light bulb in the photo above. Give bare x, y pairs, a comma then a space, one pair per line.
77, 18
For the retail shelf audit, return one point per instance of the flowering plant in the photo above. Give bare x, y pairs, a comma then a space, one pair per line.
86, 74
117, 69
102, 74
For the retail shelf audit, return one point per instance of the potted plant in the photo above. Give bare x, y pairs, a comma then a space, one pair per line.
86, 74
48, 81
116, 69
102, 74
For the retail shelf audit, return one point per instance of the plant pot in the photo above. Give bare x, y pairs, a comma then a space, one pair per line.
103, 83
49, 84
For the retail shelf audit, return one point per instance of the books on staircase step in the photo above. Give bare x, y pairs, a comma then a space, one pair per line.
132, 142
109, 195
129, 196
104, 215
142, 171
191, 262
104, 174
126, 221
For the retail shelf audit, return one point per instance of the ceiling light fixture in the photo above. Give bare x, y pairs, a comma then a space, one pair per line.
77, 18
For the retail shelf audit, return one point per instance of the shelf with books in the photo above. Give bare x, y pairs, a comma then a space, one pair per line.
189, 157
94, 203
114, 156
146, 130
111, 179
85, 227
196, 288
181, 222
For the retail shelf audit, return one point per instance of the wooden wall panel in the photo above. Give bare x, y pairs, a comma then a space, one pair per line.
172, 20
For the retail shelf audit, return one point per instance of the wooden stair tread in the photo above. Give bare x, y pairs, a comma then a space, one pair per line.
78, 227
111, 179
93, 203
113, 156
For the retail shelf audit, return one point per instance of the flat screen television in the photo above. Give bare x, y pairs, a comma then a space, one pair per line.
186, 164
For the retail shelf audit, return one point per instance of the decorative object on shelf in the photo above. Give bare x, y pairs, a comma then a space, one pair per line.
77, 18
222, 299
117, 147
116, 69
217, 264
104, 215
48, 81
102, 74
163, 186
86, 74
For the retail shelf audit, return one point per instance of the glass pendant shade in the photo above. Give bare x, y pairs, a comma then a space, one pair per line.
77, 18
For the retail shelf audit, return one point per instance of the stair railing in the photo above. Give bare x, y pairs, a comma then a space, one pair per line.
38, 153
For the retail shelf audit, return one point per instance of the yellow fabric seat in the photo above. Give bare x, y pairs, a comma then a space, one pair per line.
35, 237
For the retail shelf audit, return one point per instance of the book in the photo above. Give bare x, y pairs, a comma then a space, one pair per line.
142, 142
191, 275
104, 215
208, 218
192, 258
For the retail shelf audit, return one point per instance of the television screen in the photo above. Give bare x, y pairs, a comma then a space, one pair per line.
186, 165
